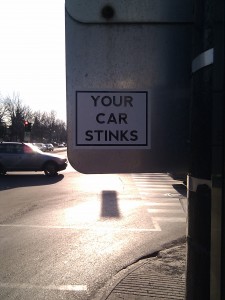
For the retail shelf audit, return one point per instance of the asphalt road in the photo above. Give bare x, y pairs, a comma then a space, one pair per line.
65, 237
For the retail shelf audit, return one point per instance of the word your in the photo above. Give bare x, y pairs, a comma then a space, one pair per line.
111, 118
113, 101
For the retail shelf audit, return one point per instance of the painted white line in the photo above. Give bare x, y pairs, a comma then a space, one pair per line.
155, 178
163, 204
147, 183
102, 228
156, 224
163, 200
152, 190
172, 195
148, 193
172, 219
154, 181
44, 287
161, 210
44, 226
150, 175
137, 229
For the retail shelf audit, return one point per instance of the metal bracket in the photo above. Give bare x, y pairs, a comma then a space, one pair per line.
204, 59
193, 183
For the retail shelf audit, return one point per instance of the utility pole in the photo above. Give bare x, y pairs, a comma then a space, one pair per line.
217, 269
206, 211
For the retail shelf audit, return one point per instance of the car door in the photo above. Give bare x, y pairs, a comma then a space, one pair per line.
16, 152
9, 156
28, 159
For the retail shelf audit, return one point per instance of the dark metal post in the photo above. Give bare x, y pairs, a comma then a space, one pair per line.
206, 187
199, 179
217, 274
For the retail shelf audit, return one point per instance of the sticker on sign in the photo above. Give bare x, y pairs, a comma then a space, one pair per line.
112, 119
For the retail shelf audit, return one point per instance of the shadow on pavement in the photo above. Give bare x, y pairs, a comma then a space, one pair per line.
110, 208
12, 181
181, 189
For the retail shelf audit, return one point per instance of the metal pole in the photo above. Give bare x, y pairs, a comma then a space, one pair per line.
199, 179
206, 187
217, 270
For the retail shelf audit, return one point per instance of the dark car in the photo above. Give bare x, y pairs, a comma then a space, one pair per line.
41, 146
49, 147
27, 157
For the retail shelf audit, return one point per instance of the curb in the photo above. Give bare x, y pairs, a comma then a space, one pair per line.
106, 291
115, 285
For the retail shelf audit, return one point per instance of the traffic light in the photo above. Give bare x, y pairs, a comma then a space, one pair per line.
27, 126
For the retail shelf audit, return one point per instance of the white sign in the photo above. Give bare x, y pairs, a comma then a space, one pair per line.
112, 119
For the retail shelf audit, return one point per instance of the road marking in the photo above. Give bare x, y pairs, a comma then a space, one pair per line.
172, 195
153, 184
162, 204
153, 193
156, 224
161, 210
170, 219
155, 189
156, 228
44, 287
97, 228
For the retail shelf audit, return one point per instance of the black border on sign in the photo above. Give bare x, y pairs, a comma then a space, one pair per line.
113, 145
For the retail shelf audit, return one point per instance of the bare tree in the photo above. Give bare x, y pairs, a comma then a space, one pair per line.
2, 110
3, 126
13, 114
17, 113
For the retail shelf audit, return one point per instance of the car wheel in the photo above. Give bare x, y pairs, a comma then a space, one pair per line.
50, 169
2, 170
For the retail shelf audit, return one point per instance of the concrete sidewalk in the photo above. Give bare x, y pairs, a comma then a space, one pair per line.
162, 276
159, 277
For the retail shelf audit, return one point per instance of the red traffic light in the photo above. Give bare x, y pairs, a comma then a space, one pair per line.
27, 126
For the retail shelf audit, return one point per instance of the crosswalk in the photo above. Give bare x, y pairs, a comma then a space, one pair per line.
163, 202
156, 194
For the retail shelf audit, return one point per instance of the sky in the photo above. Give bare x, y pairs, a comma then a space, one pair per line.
32, 54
